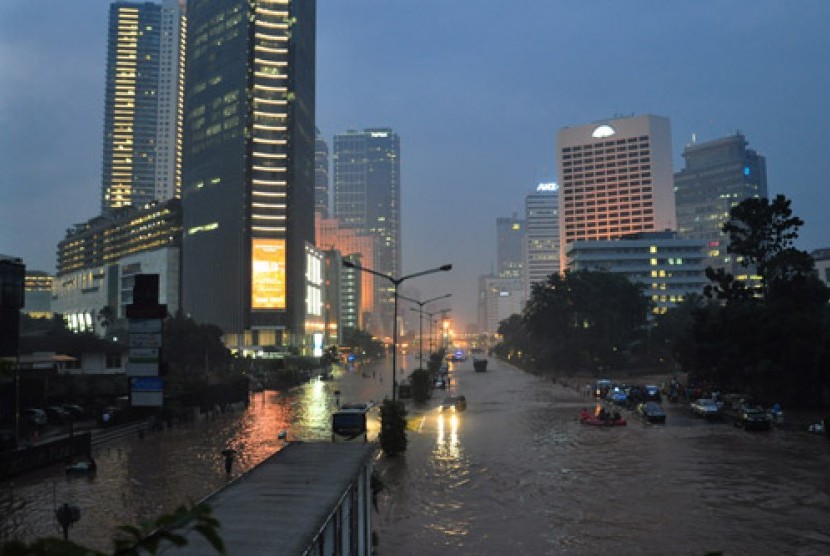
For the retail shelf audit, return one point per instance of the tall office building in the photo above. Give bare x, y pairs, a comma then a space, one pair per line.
541, 246
615, 178
143, 104
367, 197
248, 184
717, 176
321, 176
510, 237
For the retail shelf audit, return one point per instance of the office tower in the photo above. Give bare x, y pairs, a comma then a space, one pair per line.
669, 268
38, 295
321, 176
248, 184
143, 104
510, 236
367, 197
615, 178
498, 299
541, 246
717, 175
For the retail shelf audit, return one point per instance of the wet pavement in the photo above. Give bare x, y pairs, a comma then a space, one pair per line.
514, 473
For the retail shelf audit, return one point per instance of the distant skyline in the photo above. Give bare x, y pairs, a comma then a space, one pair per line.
476, 90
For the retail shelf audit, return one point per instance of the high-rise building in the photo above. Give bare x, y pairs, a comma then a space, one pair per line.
541, 246
510, 237
717, 176
367, 197
321, 176
143, 104
248, 183
615, 178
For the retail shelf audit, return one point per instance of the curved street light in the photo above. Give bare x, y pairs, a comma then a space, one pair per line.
395, 282
420, 310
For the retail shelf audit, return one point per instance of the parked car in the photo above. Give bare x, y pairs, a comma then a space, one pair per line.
753, 418
706, 408
652, 412
34, 417
57, 415
618, 395
454, 403
75, 410
439, 383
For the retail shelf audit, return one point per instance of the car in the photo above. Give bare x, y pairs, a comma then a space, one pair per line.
453, 403
706, 408
753, 418
34, 417
75, 410
439, 383
57, 415
652, 412
617, 395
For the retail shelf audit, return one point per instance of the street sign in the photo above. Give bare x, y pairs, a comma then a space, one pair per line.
146, 383
145, 340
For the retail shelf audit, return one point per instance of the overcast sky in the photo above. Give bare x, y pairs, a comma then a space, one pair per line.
476, 89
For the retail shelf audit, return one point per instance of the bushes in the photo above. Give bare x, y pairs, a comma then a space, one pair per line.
393, 427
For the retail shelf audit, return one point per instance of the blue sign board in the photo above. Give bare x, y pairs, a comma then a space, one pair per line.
147, 383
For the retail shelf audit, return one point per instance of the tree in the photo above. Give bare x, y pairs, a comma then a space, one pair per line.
759, 231
420, 385
583, 320
393, 427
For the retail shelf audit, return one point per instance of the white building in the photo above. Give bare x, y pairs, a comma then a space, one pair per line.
668, 267
541, 246
615, 178
498, 299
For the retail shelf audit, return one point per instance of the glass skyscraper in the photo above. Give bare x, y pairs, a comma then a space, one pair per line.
248, 184
717, 175
367, 197
143, 104
541, 248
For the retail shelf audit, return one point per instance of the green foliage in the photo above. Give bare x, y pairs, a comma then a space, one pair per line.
191, 348
393, 439
584, 320
150, 538
420, 385
362, 342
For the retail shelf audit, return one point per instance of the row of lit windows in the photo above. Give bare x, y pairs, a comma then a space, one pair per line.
607, 145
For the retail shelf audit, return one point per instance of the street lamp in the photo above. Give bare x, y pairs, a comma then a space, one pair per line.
420, 310
395, 282
441, 312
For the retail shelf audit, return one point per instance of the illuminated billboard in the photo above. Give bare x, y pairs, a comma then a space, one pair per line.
268, 274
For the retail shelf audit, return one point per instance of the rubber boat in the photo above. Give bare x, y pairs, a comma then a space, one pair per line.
597, 422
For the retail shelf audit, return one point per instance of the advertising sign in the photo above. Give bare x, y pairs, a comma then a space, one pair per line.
268, 274
147, 391
140, 340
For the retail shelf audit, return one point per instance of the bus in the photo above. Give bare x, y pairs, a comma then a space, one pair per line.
350, 422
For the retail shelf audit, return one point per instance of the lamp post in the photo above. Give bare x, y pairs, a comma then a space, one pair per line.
396, 282
441, 312
420, 310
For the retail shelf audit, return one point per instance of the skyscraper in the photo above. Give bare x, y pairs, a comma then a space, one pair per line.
143, 104
615, 178
321, 176
541, 246
717, 176
248, 187
367, 197
510, 237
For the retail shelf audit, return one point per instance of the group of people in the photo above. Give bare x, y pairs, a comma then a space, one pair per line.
602, 415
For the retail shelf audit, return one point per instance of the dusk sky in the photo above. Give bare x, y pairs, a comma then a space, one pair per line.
476, 90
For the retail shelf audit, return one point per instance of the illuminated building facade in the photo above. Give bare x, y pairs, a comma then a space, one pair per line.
717, 176
668, 267
321, 176
367, 197
615, 178
38, 295
248, 183
143, 104
97, 262
541, 246
358, 303
498, 299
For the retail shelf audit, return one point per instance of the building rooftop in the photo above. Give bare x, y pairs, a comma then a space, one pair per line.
279, 506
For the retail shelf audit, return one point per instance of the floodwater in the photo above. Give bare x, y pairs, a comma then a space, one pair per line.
514, 473
517, 474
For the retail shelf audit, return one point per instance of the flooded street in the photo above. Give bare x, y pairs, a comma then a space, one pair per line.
514, 473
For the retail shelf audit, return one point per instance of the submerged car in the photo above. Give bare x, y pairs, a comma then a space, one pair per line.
753, 418
652, 412
453, 403
706, 408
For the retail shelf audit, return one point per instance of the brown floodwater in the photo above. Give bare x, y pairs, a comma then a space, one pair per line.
514, 473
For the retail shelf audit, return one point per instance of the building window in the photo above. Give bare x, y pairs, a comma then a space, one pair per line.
113, 361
